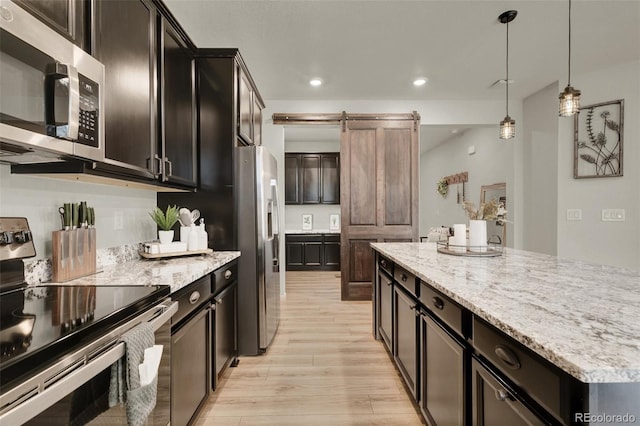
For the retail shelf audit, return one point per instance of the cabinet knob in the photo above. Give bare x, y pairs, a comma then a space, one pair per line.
194, 297
403, 277
227, 274
503, 395
438, 303
383, 263
507, 356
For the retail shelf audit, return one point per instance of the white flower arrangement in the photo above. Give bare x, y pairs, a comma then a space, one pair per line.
443, 187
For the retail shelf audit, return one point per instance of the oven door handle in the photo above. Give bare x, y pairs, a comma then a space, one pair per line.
165, 313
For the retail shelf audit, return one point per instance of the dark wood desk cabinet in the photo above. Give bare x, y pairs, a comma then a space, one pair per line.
313, 252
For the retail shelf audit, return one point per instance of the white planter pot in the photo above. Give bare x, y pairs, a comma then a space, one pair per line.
166, 237
478, 235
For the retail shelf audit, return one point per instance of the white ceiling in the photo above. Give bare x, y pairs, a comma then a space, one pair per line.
372, 50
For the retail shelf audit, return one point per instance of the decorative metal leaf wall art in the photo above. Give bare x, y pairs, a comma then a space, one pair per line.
598, 136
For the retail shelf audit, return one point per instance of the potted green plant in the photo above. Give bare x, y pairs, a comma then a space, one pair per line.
165, 221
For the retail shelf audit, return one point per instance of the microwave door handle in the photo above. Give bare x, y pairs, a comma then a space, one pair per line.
74, 103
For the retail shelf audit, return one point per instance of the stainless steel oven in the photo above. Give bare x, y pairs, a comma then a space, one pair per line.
51, 93
74, 390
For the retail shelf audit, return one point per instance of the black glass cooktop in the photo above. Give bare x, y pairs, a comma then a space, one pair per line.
40, 324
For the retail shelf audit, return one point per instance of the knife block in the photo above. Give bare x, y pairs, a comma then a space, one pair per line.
73, 254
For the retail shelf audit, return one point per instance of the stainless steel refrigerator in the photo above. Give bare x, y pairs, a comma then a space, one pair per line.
258, 241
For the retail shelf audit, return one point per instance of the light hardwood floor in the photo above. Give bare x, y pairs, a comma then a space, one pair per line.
323, 368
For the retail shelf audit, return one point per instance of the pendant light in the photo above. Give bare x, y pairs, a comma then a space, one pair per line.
508, 125
570, 98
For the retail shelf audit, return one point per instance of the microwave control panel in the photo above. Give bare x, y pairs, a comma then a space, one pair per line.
88, 120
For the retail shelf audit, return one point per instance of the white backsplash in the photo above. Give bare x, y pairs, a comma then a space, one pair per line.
38, 199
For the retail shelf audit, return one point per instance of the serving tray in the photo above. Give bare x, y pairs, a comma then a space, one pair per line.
174, 254
470, 251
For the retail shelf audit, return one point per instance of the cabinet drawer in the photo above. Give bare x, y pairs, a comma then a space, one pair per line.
385, 264
442, 306
405, 278
191, 297
331, 238
516, 362
304, 238
224, 276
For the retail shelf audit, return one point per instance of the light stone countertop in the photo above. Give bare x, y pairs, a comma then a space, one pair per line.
176, 272
582, 317
312, 231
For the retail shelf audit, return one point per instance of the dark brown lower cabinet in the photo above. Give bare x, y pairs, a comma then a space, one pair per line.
225, 325
385, 292
313, 252
442, 373
405, 337
494, 403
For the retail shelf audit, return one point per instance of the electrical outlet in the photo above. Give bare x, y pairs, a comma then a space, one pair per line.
574, 214
613, 215
118, 220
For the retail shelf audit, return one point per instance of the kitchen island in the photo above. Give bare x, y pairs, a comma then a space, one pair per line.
579, 321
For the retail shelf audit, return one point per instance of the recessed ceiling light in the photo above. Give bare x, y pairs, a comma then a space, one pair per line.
315, 82
420, 81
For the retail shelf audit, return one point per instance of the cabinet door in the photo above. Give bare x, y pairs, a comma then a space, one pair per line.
331, 251
313, 253
178, 106
189, 367
330, 178
442, 397
405, 325
385, 290
291, 179
310, 178
257, 121
295, 254
125, 43
226, 340
495, 404
67, 17
245, 101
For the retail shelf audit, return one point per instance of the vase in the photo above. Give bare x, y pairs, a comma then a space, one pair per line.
166, 237
478, 235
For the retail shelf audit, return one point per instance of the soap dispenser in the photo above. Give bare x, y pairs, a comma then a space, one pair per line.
203, 237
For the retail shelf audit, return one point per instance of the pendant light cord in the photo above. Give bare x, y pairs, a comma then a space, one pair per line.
569, 77
507, 81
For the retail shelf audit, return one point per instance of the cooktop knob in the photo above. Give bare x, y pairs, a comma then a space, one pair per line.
6, 238
21, 237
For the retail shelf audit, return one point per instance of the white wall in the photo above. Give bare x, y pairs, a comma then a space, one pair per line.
540, 171
491, 163
610, 243
38, 199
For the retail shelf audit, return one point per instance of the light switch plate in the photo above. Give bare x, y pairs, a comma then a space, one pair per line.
613, 215
574, 214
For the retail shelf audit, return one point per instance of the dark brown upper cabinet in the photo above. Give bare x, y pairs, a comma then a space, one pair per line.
124, 42
177, 110
67, 17
312, 178
229, 113
149, 86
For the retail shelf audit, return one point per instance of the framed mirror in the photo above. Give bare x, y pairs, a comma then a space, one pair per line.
496, 230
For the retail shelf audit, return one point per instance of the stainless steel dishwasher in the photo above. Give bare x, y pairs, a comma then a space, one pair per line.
191, 351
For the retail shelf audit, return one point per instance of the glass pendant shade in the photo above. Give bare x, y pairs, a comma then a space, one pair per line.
569, 102
507, 128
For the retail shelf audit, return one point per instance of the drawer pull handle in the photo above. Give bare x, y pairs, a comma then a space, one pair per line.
403, 277
227, 274
438, 303
194, 297
507, 356
503, 395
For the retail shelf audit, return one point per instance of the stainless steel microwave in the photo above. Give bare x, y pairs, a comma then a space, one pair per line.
51, 93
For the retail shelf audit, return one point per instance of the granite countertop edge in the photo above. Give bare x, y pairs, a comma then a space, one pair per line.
176, 272
579, 357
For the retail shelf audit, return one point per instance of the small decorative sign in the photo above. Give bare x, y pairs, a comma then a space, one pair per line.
334, 222
307, 222
597, 149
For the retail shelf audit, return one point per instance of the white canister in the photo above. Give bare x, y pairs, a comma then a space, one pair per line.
478, 235
192, 244
184, 234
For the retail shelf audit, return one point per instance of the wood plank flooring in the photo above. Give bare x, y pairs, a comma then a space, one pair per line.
323, 368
